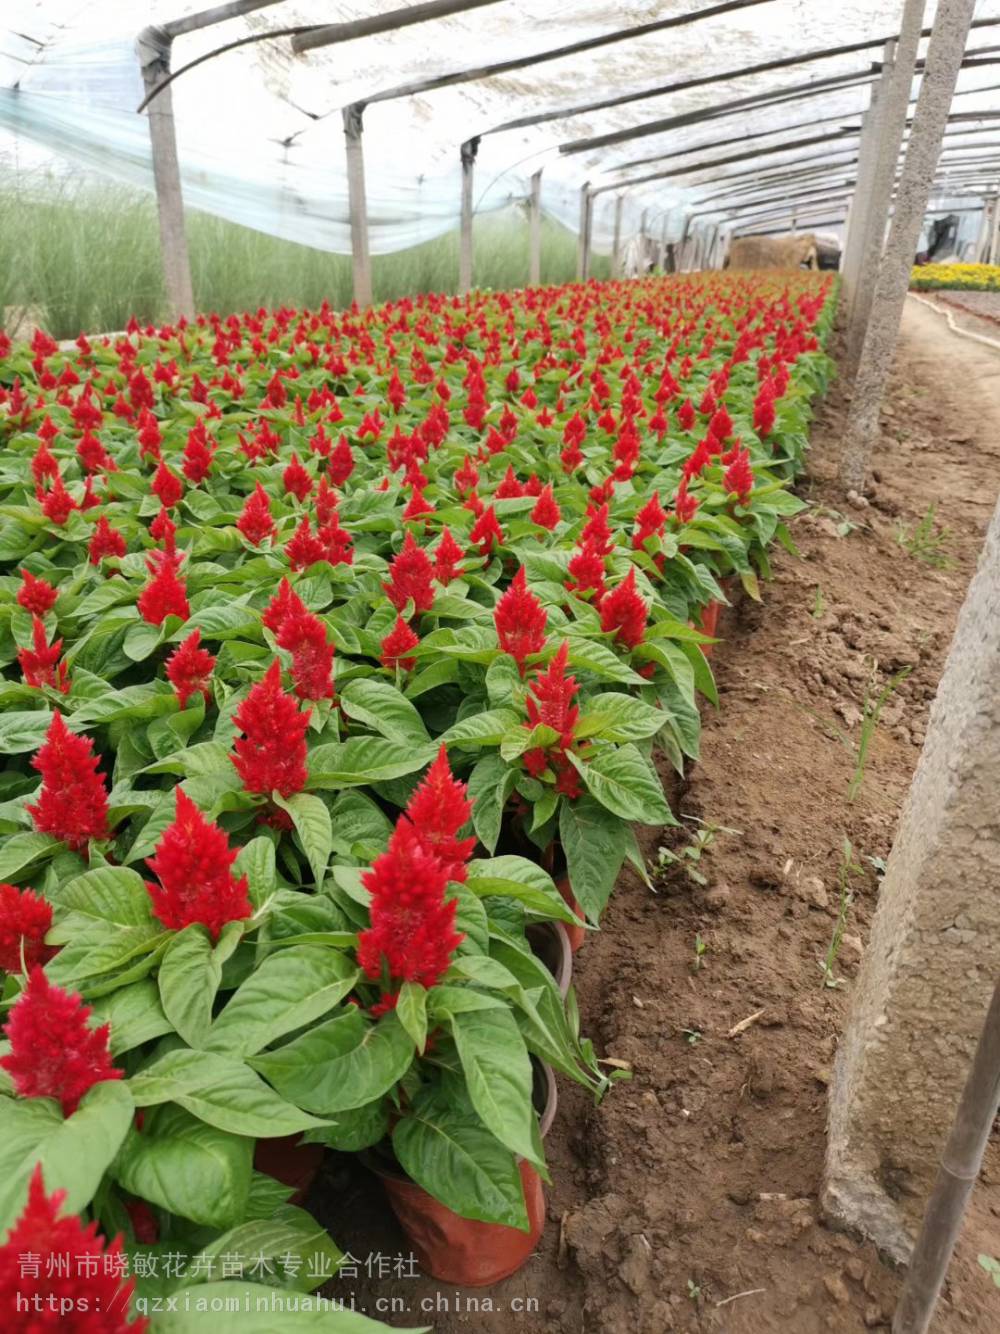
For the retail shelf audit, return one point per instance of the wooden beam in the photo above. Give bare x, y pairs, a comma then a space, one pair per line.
375, 23
358, 204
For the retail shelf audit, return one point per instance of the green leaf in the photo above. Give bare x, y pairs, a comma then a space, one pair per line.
289, 1244
359, 1128
142, 640
311, 818
220, 620
111, 894
189, 977
521, 879
134, 1013
383, 708
411, 1007
593, 656
595, 843
490, 784
498, 1076
246, 1308
23, 729
73, 1153
482, 729
291, 988
343, 1063
454, 1157
365, 759
626, 784
21, 850
256, 861
615, 717
187, 1167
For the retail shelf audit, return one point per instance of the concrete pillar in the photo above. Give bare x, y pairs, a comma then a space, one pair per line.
616, 245
860, 215
468, 153
535, 229
894, 99
931, 963
995, 233
357, 203
662, 257
583, 240
153, 46
930, 117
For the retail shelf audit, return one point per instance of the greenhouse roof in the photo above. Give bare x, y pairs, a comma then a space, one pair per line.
680, 104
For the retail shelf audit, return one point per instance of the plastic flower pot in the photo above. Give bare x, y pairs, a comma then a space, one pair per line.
550, 943
289, 1161
575, 934
461, 1250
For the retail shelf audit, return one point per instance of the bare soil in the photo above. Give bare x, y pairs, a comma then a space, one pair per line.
688, 1201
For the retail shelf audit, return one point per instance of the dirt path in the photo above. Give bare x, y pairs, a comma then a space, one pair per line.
688, 1200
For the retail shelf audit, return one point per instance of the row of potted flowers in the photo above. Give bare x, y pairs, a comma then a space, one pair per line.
337, 651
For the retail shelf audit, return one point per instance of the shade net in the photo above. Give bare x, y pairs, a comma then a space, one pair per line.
260, 132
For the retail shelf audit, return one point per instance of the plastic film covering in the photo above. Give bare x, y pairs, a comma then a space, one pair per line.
260, 130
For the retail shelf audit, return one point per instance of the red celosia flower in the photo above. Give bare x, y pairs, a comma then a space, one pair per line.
303, 548
738, 477
36, 595
193, 864
438, 809
189, 669
271, 756
510, 488
165, 593
25, 917
54, 1053
163, 529
411, 576
596, 533
341, 462
699, 459
447, 555
338, 545
763, 410
255, 522
41, 665
586, 571
685, 506
57, 503
649, 522
546, 512
296, 479
286, 602
467, 476
416, 506
551, 697
721, 425
105, 541
56, 1274
304, 636
486, 532
396, 645
686, 415
520, 621
412, 934
167, 486
73, 802
198, 455
624, 611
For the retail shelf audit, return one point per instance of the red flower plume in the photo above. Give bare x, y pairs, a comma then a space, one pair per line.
165, 593
36, 595
396, 645
255, 522
271, 756
167, 486
304, 636
447, 555
285, 602
296, 479
41, 665
25, 917
546, 512
193, 864
54, 1053
411, 575
72, 803
520, 621
438, 809
105, 541
486, 532
72, 1264
738, 477
624, 612
189, 669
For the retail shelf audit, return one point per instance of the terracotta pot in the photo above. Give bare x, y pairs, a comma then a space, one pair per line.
289, 1161
575, 934
550, 943
708, 622
461, 1250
